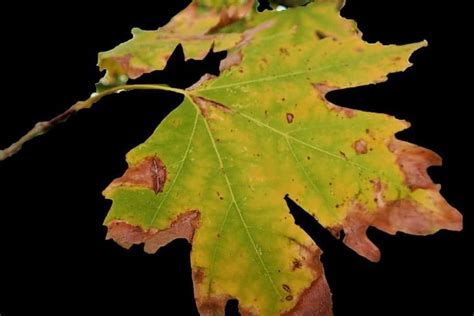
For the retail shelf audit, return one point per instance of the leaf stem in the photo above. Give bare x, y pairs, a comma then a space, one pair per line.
41, 128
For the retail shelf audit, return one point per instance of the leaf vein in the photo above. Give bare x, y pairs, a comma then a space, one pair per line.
271, 78
313, 184
214, 251
239, 211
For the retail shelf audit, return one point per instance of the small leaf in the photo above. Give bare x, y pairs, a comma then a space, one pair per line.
196, 30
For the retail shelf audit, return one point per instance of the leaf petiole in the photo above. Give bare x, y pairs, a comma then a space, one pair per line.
43, 127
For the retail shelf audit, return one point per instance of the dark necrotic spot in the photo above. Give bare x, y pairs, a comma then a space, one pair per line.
290, 117
320, 34
284, 51
296, 264
158, 173
360, 146
149, 173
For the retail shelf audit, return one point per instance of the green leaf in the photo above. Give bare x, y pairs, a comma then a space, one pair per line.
217, 168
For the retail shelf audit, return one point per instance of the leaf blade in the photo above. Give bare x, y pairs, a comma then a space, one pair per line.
264, 129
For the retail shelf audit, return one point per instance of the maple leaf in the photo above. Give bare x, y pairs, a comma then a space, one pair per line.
195, 29
216, 169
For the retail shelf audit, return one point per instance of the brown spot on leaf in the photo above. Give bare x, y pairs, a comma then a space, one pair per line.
198, 275
290, 117
127, 235
322, 89
248, 35
379, 197
360, 146
204, 105
236, 57
232, 14
284, 51
286, 288
231, 60
289, 297
149, 173
370, 133
296, 264
320, 35
414, 162
201, 80
131, 71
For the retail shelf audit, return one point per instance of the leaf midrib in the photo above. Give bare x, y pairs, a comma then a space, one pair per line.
234, 201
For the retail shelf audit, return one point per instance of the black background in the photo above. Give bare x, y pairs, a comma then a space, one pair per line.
53, 256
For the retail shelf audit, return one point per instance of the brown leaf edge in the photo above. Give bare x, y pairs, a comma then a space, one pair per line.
403, 215
127, 235
314, 300
151, 173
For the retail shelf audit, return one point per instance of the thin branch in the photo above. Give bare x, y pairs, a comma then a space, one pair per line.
41, 128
